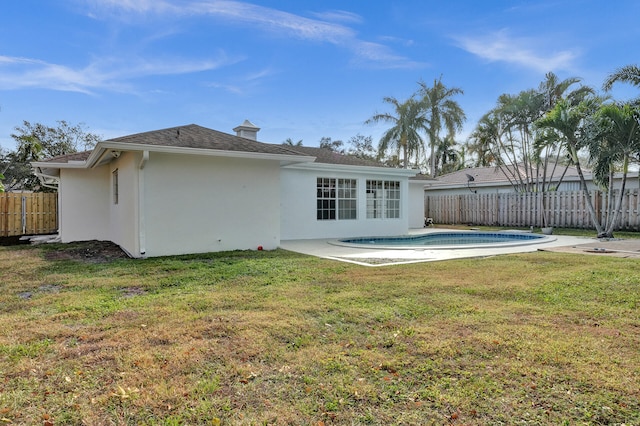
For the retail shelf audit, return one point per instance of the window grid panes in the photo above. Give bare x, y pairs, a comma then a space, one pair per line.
392, 199
336, 195
326, 199
347, 199
374, 199
383, 199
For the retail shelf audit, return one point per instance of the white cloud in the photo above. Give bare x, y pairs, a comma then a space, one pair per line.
380, 54
500, 46
243, 85
339, 16
104, 74
17, 73
275, 21
131, 6
397, 40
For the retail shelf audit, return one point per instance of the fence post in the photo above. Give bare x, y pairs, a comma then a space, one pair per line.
23, 214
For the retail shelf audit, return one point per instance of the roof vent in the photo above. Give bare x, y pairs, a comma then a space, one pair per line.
247, 130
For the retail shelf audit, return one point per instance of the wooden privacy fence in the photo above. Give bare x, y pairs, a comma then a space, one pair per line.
567, 209
23, 213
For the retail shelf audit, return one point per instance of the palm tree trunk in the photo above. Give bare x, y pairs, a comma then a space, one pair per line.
583, 183
616, 212
405, 150
432, 165
610, 199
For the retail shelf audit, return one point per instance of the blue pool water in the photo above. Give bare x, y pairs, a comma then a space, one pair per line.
448, 240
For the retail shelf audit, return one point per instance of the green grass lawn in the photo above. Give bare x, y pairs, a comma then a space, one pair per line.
281, 338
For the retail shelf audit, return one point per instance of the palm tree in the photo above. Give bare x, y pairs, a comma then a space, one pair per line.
552, 90
506, 133
290, 142
616, 140
483, 139
404, 137
449, 159
549, 151
628, 73
440, 111
569, 121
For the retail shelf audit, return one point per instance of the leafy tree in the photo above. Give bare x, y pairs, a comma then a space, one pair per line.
403, 138
16, 171
362, 147
440, 111
335, 146
36, 141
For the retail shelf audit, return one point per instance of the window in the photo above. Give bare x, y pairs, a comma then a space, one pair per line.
392, 199
374, 199
383, 199
336, 194
114, 177
326, 194
347, 199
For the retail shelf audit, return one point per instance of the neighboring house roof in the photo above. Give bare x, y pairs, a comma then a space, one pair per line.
496, 175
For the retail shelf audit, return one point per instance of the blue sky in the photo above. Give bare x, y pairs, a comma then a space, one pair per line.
297, 69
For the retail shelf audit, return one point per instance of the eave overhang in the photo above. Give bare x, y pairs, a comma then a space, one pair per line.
342, 168
105, 152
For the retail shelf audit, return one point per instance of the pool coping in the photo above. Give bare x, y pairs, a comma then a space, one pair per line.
539, 239
376, 257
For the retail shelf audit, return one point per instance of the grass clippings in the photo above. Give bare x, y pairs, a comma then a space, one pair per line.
281, 338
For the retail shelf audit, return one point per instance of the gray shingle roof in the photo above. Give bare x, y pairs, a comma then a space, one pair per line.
421, 177
327, 156
495, 174
198, 137
77, 156
194, 136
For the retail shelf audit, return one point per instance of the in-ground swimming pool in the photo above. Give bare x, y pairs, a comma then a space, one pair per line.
448, 240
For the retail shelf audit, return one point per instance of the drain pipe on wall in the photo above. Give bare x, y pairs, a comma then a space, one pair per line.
142, 235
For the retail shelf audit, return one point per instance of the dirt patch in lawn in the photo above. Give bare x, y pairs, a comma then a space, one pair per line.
87, 251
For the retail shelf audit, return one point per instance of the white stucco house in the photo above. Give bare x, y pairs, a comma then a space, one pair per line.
190, 189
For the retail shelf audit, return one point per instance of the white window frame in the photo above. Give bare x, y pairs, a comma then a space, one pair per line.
336, 199
114, 180
383, 199
347, 199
